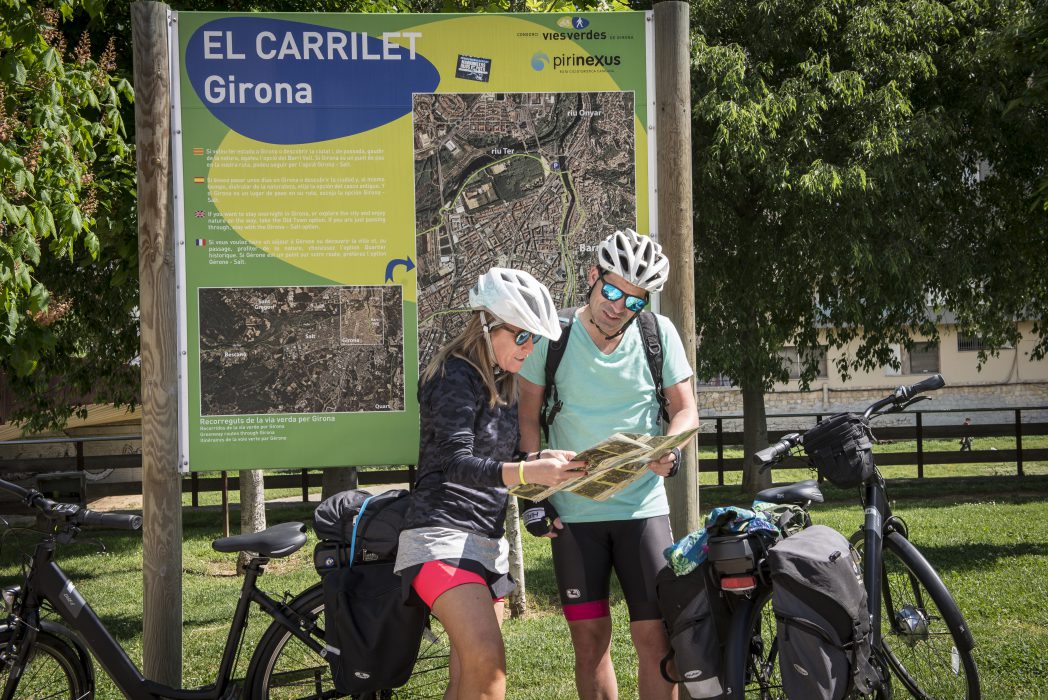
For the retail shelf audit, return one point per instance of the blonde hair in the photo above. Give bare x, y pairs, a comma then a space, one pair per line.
471, 345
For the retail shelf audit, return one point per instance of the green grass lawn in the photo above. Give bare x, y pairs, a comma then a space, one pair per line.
988, 539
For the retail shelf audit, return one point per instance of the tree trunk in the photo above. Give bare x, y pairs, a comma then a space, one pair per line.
518, 599
754, 438
336, 480
252, 508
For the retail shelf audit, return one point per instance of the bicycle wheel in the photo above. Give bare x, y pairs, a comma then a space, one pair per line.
924, 638
284, 667
53, 670
752, 656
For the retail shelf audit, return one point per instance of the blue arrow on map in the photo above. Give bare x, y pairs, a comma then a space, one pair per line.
392, 265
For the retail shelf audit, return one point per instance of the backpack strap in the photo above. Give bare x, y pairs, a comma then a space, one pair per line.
649, 331
551, 404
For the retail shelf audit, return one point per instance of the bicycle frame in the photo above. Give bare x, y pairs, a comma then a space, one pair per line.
47, 581
876, 514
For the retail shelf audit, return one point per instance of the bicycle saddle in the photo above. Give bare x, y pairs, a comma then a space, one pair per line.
277, 541
799, 493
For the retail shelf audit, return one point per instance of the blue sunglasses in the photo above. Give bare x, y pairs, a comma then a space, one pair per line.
521, 337
613, 293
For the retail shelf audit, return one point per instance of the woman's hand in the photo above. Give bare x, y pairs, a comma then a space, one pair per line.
553, 467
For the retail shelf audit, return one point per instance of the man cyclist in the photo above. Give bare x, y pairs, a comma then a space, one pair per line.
606, 386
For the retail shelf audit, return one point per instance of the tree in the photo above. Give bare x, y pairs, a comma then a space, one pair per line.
854, 178
68, 241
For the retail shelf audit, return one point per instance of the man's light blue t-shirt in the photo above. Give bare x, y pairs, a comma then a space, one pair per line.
604, 395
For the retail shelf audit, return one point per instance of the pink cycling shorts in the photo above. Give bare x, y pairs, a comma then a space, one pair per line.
436, 577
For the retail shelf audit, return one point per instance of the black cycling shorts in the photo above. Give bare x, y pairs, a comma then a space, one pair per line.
584, 555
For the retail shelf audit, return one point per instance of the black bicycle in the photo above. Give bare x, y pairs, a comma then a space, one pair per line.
41, 658
918, 632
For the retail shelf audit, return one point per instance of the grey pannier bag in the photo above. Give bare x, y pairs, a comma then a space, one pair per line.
821, 616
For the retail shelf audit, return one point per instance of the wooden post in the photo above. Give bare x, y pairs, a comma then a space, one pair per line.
1019, 442
920, 445
161, 482
673, 183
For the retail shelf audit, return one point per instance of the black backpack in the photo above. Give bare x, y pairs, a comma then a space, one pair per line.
697, 619
649, 331
822, 619
372, 636
370, 524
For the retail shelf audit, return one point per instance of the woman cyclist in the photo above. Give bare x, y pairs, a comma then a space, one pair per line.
452, 552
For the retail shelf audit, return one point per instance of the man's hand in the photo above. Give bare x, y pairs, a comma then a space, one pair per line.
541, 519
668, 464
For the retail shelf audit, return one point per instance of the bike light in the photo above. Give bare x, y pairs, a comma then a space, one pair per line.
739, 584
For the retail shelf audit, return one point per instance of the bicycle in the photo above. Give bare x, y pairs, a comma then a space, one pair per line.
42, 658
917, 631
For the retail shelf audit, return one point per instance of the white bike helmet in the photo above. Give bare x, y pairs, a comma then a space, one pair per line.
636, 259
518, 299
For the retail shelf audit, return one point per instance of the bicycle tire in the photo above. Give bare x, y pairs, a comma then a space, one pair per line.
751, 656
924, 637
54, 670
283, 667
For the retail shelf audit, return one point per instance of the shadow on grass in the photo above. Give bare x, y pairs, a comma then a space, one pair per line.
974, 556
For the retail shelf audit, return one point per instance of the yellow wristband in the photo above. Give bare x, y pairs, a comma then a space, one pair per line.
520, 473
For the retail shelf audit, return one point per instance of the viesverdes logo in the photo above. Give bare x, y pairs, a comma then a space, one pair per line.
576, 31
540, 60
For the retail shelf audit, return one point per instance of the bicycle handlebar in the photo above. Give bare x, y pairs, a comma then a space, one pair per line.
905, 394
71, 512
774, 452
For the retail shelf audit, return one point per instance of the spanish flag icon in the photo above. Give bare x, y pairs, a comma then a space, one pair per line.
198, 180
198, 151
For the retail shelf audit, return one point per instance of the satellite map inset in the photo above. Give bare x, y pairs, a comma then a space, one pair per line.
525, 180
301, 350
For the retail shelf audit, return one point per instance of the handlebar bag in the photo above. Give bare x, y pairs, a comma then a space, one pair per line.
841, 449
822, 620
697, 619
379, 526
372, 636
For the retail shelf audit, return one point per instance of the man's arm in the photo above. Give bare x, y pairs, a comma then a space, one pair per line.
529, 402
683, 416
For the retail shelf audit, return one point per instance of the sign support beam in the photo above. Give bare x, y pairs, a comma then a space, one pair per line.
161, 482
674, 183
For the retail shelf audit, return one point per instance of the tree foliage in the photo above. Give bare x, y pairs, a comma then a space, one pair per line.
68, 254
855, 177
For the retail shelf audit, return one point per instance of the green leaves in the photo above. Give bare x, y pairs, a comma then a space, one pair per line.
62, 143
852, 160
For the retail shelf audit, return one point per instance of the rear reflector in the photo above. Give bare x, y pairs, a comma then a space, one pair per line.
739, 584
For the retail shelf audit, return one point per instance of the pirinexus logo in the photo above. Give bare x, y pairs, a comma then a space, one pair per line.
573, 22
581, 61
539, 61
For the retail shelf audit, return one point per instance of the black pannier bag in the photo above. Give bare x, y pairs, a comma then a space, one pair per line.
696, 618
372, 636
841, 449
822, 620
380, 524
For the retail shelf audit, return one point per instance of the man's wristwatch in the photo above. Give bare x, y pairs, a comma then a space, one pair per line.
676, 462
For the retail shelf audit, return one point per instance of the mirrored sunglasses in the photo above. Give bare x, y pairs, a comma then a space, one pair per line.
522, 336
613, 293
